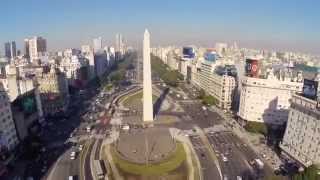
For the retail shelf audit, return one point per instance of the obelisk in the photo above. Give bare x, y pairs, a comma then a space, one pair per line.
147, 84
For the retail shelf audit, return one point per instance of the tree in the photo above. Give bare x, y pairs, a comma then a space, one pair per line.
202, 93
117, 76
256, 127
209, 100
170, 77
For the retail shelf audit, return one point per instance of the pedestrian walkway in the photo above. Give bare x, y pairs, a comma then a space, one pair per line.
106, 146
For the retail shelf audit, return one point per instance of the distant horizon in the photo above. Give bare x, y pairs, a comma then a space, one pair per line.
286, 26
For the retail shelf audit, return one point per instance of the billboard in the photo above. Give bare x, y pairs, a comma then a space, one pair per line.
188, 52
310, 89
26, 103
252, 68
210, 55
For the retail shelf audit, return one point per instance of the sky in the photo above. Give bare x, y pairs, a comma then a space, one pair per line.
286, 25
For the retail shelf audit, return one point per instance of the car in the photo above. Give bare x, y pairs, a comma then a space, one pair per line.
73, 155
225, 159
277, 171
125, 127
80, 147
44, 168
72, 178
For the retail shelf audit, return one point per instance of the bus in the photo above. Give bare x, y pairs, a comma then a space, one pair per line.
99, 169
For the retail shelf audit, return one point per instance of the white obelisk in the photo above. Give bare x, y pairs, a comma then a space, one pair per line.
147, 84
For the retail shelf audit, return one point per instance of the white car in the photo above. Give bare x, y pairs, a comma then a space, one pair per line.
73, 155
126, 127
225, 159
80, 147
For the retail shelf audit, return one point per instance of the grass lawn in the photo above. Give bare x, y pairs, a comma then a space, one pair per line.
108, 87
170, 164
310, 173
257, 127
136, 98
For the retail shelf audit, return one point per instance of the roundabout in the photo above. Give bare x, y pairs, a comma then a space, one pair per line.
164, 166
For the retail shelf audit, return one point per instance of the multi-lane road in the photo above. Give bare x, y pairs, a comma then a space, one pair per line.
65, 167
233, 161
208, 167
233, 155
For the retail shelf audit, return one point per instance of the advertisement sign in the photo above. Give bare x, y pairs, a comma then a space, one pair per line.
310, 89
252, 68
210, 55
26, 104
188, 52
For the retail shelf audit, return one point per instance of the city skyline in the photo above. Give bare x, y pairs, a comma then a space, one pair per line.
284, 26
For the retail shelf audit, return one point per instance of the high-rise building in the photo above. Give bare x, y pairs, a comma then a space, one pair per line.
37, 48
22, 88
8, 135
266, 100
118, 42
147, 84
10, 49
221, 48
53, 89
301, 141
120, 49
86, 49
219, 85
97, 44
26, 49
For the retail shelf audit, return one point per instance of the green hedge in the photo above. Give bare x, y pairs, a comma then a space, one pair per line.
207, 99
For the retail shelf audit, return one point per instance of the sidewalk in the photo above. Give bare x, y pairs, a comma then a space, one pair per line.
190, 152
114, 135
265, 152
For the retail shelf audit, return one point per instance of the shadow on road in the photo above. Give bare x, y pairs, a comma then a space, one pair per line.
158, 103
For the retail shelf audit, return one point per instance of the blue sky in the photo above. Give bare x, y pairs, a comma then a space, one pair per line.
269, 24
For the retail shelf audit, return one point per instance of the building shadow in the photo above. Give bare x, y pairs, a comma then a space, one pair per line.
279, 115
158, 103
